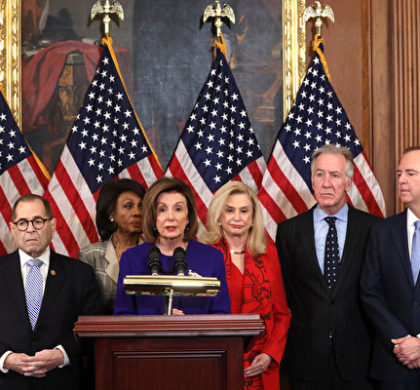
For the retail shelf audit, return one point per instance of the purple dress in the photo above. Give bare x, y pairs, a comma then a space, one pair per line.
202, 259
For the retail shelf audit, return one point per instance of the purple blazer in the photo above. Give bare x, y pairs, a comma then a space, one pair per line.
202, 259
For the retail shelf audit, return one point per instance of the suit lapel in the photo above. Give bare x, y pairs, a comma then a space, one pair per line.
399, 235
351, 241
53, 286
14, 281
308, 242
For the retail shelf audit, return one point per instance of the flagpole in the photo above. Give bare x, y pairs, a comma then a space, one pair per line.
318, 13
217, 12
104, 7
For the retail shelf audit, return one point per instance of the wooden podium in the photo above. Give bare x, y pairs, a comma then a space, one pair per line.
202, 352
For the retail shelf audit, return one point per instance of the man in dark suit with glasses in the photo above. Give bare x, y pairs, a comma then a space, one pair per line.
42, 294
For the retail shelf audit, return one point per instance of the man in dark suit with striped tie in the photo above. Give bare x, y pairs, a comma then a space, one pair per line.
391, 286
321, 253
41, 296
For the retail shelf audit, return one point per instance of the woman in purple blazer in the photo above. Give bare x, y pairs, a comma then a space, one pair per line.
170, 222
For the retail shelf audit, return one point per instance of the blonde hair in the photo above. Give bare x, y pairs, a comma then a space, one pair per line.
256, 243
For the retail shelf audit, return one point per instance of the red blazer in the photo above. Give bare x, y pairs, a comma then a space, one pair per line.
264, 294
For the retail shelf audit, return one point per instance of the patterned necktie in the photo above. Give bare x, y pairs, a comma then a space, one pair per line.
34, 289
415, 252
331, 257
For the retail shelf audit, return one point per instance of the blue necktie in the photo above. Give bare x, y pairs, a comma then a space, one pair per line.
331, 256
415, 252
34, 289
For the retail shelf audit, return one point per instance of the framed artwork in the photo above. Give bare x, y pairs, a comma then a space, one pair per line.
164, 59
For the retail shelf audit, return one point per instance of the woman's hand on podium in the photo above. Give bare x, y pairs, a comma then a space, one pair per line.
177, 312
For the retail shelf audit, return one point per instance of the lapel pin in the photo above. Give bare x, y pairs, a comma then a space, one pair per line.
52, 272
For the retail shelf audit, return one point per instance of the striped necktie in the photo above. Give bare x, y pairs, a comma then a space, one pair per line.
34, 289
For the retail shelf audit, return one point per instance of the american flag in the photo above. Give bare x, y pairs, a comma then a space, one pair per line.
106, 141
316, 118
20, 172
218, 143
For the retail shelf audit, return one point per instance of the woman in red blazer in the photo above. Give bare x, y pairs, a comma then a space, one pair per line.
235, 226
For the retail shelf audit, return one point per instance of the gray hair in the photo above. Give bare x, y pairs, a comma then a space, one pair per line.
332, 149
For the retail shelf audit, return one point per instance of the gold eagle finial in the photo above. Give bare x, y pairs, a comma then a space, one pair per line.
107, 8
318, 13
218, 13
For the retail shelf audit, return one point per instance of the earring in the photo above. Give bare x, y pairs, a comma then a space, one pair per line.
187, 227
154, 231
111, 219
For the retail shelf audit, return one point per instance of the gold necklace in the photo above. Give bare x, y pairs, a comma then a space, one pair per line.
237, 252
116, 246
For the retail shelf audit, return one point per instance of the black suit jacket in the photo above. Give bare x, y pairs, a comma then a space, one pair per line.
389, 295
71, 290
317, 313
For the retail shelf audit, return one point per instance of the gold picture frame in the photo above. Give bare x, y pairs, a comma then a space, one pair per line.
294, 52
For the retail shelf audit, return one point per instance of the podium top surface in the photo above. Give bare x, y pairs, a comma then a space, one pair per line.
169, 326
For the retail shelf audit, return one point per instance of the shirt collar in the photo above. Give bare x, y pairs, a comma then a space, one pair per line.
411, 218
45, 257
320, 214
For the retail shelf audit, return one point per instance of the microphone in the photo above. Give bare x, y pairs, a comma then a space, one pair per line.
154, 263
180, 264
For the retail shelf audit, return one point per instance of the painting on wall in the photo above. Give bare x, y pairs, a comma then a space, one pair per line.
164, 59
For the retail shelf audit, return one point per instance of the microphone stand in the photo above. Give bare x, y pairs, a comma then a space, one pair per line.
169, 301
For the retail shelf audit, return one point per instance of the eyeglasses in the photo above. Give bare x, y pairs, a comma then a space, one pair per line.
38, 223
